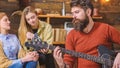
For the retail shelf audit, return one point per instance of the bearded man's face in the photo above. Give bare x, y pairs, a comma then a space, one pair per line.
80, 24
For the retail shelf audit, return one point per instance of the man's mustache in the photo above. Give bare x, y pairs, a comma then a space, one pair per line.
75, 21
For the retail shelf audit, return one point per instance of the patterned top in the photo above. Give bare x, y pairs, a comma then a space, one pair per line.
11, 47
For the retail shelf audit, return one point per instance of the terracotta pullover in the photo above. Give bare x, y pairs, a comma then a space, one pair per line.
87, 43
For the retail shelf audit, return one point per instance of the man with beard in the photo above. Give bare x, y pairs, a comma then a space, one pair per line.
86, 36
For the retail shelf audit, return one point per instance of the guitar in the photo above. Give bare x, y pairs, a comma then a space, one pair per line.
106, 56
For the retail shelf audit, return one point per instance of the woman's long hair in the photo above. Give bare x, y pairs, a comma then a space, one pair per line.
24, 27
1, 16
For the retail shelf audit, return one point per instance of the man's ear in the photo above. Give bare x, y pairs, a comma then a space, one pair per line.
88, 12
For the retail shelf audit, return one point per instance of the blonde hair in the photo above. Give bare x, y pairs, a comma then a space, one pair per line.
2, 14
24, 27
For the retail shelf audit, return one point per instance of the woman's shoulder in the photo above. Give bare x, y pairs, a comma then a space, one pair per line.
44, 24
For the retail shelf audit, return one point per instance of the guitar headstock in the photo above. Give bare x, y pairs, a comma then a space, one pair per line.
36, 43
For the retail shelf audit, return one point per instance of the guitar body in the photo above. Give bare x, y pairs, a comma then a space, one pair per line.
107, 54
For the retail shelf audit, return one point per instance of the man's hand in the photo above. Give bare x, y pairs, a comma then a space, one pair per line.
117, 61
57, 54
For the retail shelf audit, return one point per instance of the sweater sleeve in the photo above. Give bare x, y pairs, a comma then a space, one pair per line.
68, 59
48, 36
46, 33
114, 35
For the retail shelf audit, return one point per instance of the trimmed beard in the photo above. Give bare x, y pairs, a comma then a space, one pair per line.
79, 25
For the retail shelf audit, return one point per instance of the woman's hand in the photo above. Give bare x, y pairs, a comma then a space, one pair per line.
35, 54
31, 56
44, 51
29, 35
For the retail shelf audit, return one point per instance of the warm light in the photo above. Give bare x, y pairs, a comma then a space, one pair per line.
96, 0
104, 1
107, 0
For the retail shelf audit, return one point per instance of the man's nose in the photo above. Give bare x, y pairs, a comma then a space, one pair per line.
74, 16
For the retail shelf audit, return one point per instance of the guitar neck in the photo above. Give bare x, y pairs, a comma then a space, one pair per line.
85, 56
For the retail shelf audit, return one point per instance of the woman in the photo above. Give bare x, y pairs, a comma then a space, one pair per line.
30, 24
11, 53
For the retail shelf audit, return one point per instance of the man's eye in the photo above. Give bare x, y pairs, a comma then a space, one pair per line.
77, 11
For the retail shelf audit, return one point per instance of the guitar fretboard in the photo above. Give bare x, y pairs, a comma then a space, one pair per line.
85, 56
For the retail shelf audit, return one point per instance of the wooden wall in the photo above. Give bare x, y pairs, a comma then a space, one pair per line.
110, 11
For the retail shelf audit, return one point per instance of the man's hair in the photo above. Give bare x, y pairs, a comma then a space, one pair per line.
85, 4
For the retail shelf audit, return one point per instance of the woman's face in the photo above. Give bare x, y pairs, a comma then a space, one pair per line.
4, 23
31, 19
